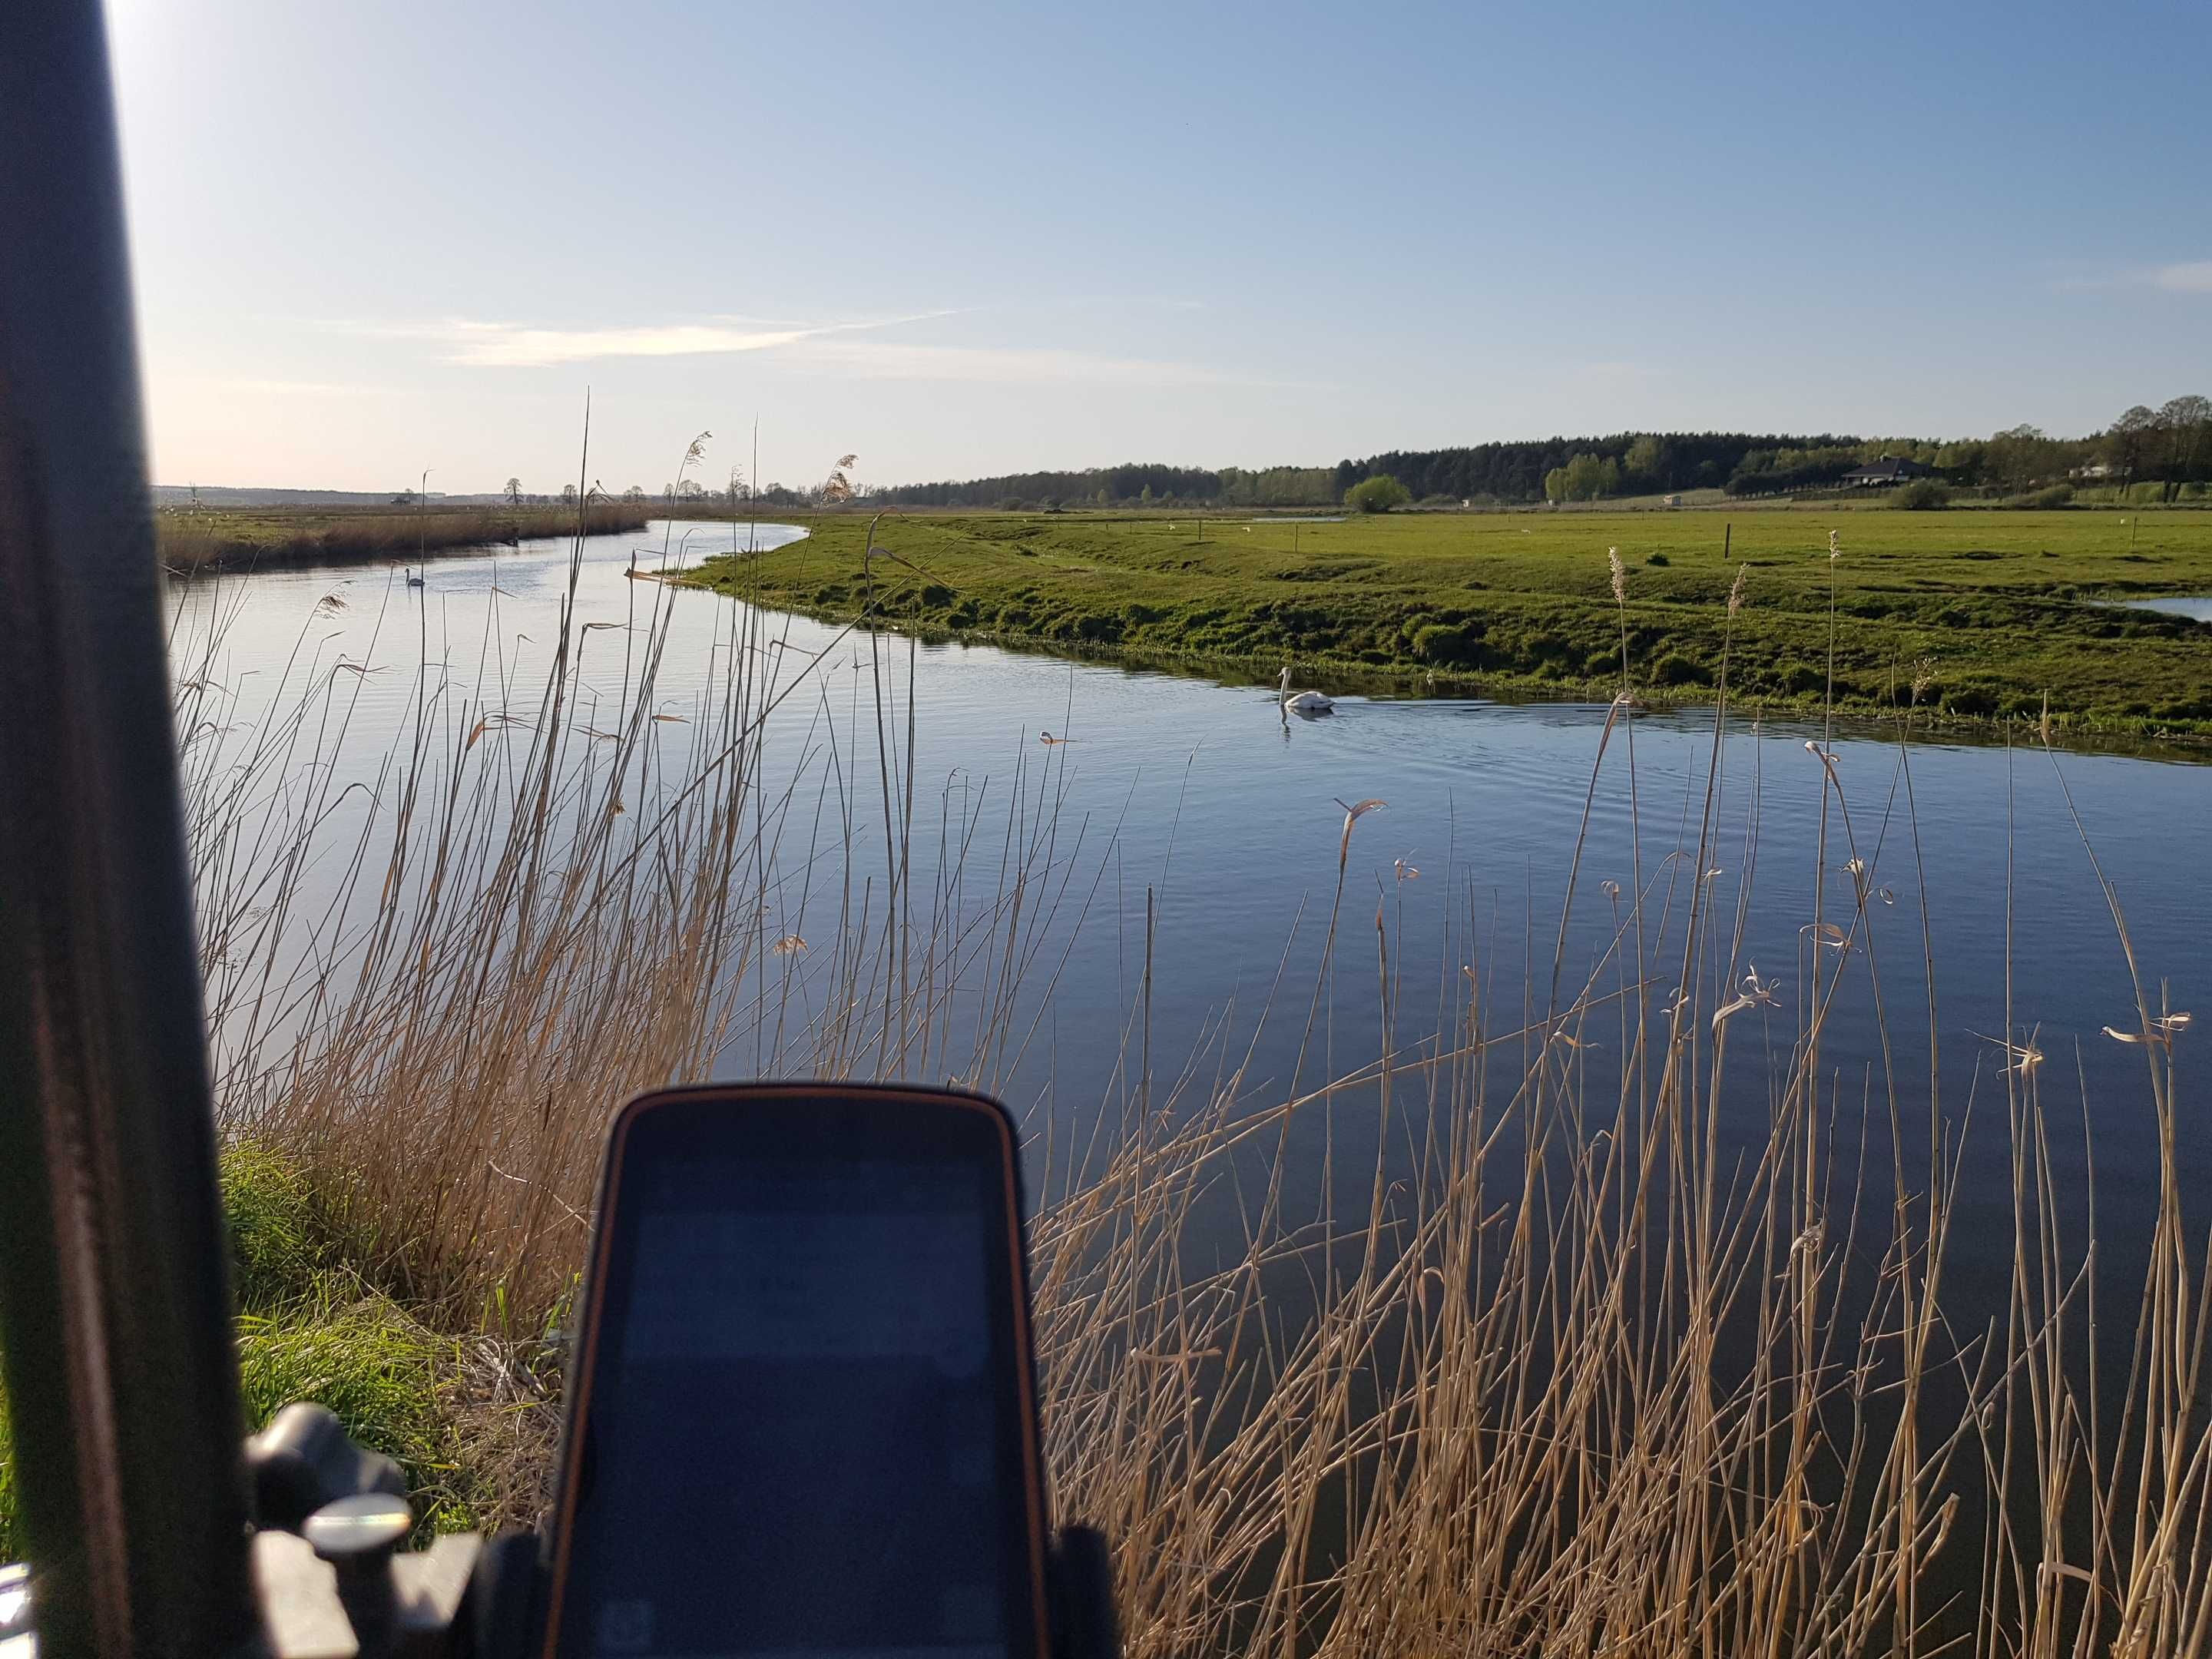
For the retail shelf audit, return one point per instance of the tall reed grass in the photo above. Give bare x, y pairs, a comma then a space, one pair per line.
247, 540
1581, 1362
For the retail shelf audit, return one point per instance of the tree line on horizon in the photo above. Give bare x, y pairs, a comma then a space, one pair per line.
2169, 446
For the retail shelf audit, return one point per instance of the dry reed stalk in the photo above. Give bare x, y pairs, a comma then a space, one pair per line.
1585, 1368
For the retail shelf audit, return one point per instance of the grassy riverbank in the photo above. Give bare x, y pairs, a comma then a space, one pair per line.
310, 1326
250, 537
1988, 612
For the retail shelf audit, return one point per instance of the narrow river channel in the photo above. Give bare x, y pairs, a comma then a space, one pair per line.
1199, 802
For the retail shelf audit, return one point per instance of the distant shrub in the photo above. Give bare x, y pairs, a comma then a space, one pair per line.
1921, 495
1675, 669
1658, 558
1809, 475
1439, 642
1377, 494
2056, 495
1800, 678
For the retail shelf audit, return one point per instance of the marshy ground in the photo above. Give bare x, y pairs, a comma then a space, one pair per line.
251, 537
1976, 615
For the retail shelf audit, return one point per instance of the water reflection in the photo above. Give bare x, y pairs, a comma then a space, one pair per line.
1195, 816
2196, 608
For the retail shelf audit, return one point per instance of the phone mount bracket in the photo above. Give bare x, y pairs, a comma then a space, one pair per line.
333, 1582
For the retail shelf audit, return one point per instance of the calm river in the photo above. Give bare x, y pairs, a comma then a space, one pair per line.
1196, 796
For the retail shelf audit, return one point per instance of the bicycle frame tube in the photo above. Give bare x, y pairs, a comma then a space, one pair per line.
114, 1312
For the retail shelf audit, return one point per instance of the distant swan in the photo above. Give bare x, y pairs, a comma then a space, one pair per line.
414, 580
1304, 703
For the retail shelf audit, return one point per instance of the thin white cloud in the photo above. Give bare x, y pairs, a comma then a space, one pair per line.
503, 345
514, 345
887, 360
2186, 277
828, 346
2190, 276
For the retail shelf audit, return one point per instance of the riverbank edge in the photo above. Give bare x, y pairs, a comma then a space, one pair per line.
2190, 740
471, 1417
379, 539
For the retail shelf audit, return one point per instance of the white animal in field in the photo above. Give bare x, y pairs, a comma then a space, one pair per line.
1302, 702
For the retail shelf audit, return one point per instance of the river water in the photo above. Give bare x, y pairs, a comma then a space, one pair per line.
1196, 801
2196, 608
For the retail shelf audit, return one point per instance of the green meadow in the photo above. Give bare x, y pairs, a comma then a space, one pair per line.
1973, 616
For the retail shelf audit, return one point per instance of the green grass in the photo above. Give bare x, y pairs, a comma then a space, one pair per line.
309, 1328
1991, 610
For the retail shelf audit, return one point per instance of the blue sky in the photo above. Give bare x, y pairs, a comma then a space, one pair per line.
962, 239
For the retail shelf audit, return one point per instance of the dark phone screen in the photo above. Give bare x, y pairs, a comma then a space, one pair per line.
803, 1433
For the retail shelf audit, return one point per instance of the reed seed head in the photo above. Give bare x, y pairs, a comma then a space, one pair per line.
1353, 811
1923, 677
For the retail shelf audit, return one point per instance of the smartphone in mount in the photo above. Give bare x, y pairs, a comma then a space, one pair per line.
802, 1412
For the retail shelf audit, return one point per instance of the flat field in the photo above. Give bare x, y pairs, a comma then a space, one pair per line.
1986, 611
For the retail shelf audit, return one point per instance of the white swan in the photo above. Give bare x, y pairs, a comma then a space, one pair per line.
1302, 702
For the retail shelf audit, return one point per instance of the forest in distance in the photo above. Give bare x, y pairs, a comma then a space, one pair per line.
2168, 449
2147, 457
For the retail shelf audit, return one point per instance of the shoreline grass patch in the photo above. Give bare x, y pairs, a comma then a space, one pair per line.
2010, 609
310, 1326
245, 539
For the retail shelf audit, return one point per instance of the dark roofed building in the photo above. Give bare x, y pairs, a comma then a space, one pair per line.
1889, 470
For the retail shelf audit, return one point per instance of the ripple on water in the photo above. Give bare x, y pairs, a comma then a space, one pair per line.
1200, 796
